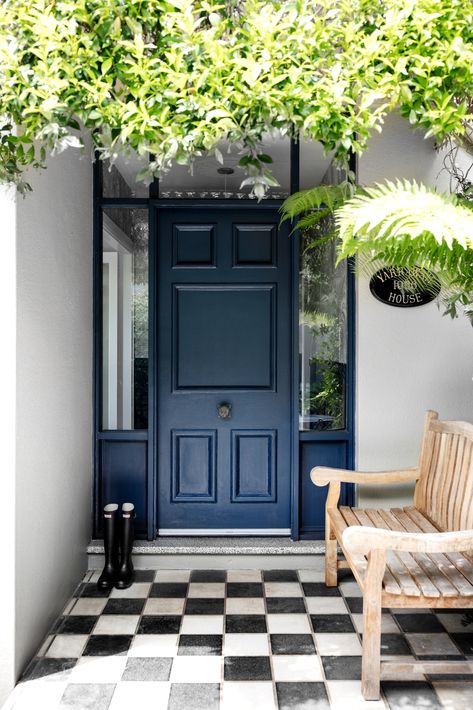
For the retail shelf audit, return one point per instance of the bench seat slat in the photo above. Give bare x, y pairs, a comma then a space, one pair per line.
393, 562
460, 560
390, 583
441, 571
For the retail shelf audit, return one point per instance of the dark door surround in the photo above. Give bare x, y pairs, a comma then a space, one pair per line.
223, 336
117, 453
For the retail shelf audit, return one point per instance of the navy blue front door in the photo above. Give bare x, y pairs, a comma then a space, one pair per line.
224, 345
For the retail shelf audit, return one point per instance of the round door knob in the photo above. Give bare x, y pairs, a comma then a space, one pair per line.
224, 410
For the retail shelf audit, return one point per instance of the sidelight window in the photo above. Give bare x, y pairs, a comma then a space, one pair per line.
125, 319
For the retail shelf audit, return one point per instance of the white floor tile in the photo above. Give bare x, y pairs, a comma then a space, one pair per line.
337, 644
94, 577
326, 605
453, 623
205, 590
311, 575
297, 668
344, 694
243, 696
142, 694
70, 604
138, 590
98, 669
36, 694
67, 646
172, 575
164, 606
429, 644
244, 575
283, 589
388, 625
455, 695
88, 606
350, 589
251, 605
205, 624
246, 645
45, 645
153, 645
288, 624
116, 624
196, 669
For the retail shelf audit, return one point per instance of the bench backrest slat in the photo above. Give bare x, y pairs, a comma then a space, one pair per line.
444, 491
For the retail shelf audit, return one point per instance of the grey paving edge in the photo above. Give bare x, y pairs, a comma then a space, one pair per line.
220, 546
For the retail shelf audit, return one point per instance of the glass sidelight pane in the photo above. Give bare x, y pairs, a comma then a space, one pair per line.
322, 333
119, 179
125, 319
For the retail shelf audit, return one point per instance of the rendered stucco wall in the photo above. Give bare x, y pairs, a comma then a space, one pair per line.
7, 438
408, 360
54, 394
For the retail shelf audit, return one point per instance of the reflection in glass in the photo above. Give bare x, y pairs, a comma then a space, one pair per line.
125, 319
322, 332
119, 179
209, 177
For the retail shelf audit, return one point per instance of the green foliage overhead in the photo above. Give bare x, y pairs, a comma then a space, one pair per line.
171, 78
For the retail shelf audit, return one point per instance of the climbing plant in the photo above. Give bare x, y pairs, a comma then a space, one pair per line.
169, 79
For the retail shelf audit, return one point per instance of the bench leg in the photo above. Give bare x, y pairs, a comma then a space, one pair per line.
331, 567
371, 660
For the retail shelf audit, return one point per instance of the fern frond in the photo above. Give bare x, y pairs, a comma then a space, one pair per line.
385, 213
325, 196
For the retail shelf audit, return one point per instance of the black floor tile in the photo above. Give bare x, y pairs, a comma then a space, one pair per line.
285, 605
244, 589
419, 623
147, 669
208, 575
342, 667
394, 645
404, 695
198, 696
464, 642
319, 589
302, 696
204, 606
247, 668
75, 624
154, 624
355, 604
107, 645
78, 590
292, 644
245, 624
124, 606
91, 590
174, 590
87, 695
280, 575
200, 645
332, 623
50, 669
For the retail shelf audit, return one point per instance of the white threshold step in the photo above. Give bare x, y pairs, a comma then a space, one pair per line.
220, 546
219, 553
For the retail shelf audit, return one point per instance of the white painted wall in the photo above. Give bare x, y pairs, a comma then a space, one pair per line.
408, 360
7, 437
54, 394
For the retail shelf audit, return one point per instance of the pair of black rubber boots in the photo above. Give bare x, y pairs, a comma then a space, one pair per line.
118, 528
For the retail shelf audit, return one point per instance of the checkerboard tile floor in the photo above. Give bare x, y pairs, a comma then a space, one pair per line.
231, 640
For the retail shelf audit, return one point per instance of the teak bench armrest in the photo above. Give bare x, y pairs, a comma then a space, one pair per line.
321, 475
361, 539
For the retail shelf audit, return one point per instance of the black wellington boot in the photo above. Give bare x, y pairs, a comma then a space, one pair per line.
126, 575
110, 545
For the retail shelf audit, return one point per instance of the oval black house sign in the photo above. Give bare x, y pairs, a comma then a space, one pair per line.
404, 287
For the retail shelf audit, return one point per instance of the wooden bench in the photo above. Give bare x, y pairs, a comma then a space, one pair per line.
418, 556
